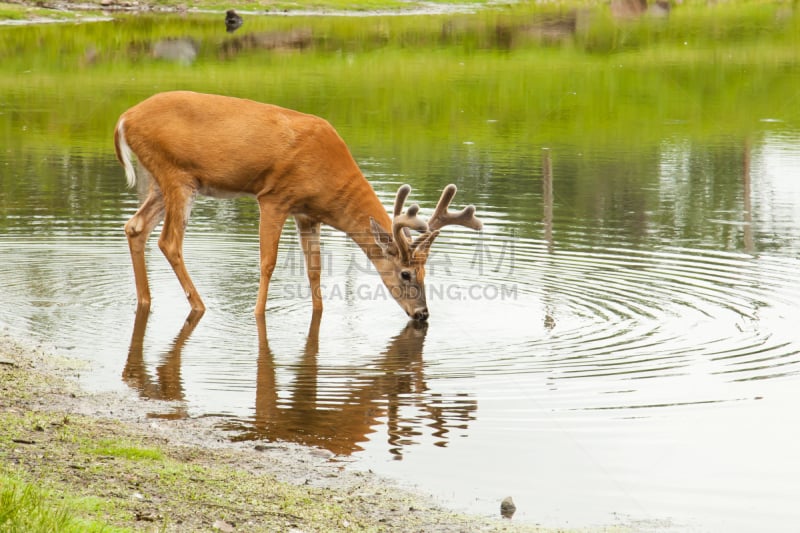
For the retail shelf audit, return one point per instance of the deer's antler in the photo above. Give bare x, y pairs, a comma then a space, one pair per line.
402, 222
441, 217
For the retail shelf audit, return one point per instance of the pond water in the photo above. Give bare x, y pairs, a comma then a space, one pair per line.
619, 345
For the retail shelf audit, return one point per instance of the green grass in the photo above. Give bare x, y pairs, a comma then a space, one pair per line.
34, 11
25, 508
12, 12
124, 450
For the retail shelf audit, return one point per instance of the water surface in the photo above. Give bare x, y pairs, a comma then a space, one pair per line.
618, 345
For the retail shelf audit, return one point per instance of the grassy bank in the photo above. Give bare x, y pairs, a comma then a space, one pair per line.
71, 461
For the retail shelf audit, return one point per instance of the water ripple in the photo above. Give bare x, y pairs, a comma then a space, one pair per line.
616, 311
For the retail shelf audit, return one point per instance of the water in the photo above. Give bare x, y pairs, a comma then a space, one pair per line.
619, 344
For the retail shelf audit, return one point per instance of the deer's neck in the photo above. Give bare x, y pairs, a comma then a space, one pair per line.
360, 204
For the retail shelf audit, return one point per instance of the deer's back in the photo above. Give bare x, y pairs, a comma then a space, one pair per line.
236, 146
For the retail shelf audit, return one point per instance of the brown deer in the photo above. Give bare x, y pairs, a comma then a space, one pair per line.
293, 164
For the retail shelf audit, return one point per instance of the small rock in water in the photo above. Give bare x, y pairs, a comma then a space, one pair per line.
507, 507
233, 21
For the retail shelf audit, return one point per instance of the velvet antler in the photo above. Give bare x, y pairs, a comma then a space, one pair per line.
441, 217
416, 249
402, 222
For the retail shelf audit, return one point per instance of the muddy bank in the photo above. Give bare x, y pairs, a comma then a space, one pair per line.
145, 473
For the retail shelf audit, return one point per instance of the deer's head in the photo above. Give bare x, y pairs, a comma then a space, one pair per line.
405, 256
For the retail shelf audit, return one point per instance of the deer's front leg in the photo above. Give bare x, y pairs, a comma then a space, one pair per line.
270, 225
309, 241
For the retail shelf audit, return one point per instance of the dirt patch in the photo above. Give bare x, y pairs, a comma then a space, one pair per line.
102, 453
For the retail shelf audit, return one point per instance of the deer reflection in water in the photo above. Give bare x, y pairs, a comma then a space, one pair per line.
167, 385
393, 392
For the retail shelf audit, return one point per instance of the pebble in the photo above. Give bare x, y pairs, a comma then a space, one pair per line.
507, 507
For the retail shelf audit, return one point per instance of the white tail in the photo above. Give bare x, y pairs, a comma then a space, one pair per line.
294, 164
125, 154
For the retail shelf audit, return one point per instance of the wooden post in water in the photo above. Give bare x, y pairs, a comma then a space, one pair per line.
547, 219
749, 245
547, 197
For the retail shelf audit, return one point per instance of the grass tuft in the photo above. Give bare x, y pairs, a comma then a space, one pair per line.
25, 508
124, 450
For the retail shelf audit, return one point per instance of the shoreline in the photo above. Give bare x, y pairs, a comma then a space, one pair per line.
60, 437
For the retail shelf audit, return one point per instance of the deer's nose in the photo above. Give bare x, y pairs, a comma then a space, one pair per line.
420, 314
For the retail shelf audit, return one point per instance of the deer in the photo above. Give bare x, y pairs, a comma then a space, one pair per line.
293, 164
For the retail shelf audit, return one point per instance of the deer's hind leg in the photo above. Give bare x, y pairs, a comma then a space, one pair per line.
178, 201
138, 229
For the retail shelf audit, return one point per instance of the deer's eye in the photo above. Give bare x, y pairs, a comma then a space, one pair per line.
405, 275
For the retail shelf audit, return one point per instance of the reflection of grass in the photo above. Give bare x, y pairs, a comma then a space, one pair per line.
390, 95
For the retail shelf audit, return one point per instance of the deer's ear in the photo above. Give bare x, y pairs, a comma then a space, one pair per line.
382, 238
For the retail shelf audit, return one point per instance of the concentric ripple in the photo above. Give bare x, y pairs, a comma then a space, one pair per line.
585, 312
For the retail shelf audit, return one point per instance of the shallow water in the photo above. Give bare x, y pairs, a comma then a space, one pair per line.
619, 344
